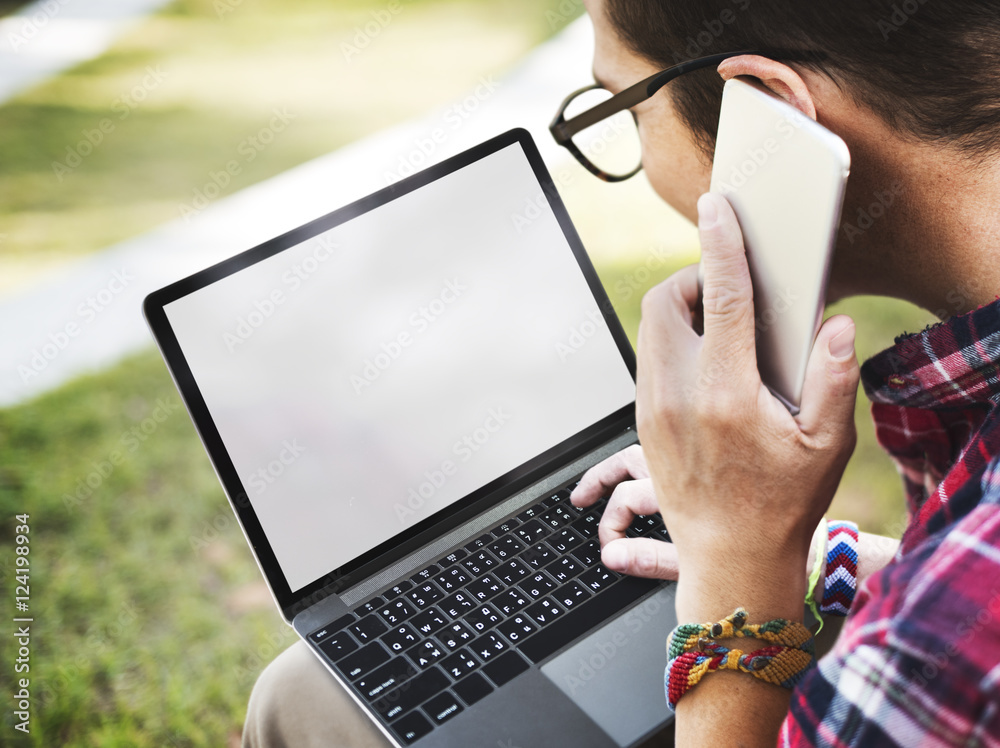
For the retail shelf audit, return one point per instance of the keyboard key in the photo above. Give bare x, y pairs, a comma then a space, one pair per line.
572, 594
396, 612
531, 532
411, 694
589, 553
488, 646
459, 664
511, 572
564, 569
538, 585
642, 525
452, 558
363, 661
530, 512
425, 654
452, 579
485, 588
556, 518
505, 668
443, 707
481, 542
483, 618
385, 678
545, 611
479, 563
398, 590
582, 619
555, 498
456, 605
371, 606
456, 635
424, 595
368, 628
598, 578
425, 574
662, 534
538, 556
400, 638
517, 628
509, 602
429, 621
331, 628
587, 524
565, 539
473, 688
505, 527
505, 548
412, 727
338, 645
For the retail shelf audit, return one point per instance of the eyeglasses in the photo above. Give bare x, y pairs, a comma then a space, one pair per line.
600, 131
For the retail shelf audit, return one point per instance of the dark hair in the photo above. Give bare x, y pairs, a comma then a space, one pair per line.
929, 68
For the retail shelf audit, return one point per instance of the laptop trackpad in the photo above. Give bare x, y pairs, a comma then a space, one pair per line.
616, 674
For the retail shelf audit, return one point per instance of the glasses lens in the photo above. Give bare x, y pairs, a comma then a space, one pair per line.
612, 145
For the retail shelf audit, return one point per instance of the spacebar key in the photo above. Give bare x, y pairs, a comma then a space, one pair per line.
588, 615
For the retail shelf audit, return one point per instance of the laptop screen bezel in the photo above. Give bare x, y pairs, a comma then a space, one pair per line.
293, 601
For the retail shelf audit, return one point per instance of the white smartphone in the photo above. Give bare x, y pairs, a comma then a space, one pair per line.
785, 176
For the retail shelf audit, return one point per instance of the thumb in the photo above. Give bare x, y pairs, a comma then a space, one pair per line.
831, 385
641, 557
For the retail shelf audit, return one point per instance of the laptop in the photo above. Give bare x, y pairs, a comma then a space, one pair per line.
398, 398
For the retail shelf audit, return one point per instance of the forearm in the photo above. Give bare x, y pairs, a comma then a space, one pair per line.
729, 704
733, 708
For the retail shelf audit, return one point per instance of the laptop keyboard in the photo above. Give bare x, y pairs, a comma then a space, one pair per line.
429, 647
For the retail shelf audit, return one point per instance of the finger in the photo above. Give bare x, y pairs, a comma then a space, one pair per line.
727, 297
642, 557
601, 479
629, 500
831, 386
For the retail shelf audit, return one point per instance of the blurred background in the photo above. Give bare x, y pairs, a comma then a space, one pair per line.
117, 123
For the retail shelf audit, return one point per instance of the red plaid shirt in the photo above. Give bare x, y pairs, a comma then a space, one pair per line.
918, 660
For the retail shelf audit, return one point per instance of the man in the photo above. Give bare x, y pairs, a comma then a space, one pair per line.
913, 89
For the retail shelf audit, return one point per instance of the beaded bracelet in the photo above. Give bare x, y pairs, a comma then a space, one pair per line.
841, 568
692, 652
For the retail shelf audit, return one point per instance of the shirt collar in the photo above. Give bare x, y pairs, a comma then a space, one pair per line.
952, 365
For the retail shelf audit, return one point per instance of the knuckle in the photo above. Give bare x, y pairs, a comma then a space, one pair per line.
725, 298
646, 563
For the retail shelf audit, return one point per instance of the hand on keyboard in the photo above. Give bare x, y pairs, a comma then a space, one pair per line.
632, 536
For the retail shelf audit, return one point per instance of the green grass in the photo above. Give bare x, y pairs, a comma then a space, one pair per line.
139, 580
219, 80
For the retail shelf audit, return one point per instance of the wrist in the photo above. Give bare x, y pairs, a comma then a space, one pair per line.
767, 590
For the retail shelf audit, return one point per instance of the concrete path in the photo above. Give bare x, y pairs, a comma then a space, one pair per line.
49, 36
88, 316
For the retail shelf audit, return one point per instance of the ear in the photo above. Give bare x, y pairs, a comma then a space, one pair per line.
777, 76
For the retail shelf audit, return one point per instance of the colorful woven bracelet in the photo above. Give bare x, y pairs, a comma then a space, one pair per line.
780, 666
689, 636
841, 568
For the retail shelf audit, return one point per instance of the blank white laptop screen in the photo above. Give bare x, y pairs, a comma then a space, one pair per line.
377, 373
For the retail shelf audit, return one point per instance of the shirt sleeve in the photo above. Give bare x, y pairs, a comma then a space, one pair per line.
917, 660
